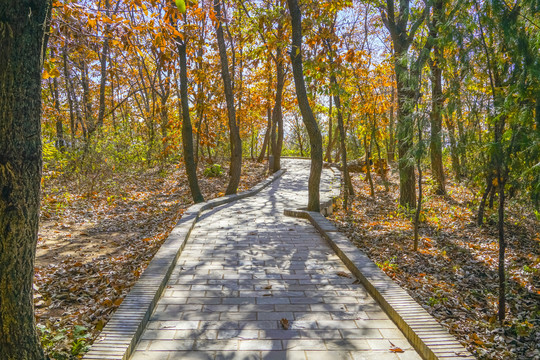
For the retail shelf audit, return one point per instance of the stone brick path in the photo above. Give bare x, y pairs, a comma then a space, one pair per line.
245, 268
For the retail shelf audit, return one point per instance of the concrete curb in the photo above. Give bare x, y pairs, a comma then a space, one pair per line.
121, 334
328, 199
428, 337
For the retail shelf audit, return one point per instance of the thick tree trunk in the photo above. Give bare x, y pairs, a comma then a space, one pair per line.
407, 188
407, 84
314, 133
23, 27
235, 140
187, 133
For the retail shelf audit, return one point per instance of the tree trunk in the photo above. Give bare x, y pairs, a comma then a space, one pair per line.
103, 83
419, 205
314, 133
407, 83
435, 144
407, 188
266, 135
328, 155
462, 143
277, 115
235, 140
437, 103
391, 147
334, 138
187, 133
22, 48
342, 139
456, 167
368, 162
60, 143
88, 112
502, 249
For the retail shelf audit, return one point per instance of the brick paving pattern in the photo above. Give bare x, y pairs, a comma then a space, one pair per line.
245, 268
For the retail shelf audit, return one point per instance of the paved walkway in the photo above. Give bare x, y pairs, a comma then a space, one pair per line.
245, 268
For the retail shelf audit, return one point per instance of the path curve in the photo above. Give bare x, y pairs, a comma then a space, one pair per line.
245, 268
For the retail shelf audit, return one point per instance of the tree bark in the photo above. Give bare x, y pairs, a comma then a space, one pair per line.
266, 135
266, 139
437, 103
88, 112
328, 155
407, 83
456, 167
342, 139
69, 91
60, 143
187, 132
419, 205
314, 133
103, 83
368, 162
407, 188
391, 147
235, 140
435, 144
23, 29
277, 115
502, 249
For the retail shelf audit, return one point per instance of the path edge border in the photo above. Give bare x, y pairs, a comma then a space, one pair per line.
121, 334
429, 338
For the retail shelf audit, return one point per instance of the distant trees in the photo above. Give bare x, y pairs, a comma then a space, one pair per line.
119, 80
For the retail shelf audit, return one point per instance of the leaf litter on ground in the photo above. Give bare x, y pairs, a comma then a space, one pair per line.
93, 246
454, 273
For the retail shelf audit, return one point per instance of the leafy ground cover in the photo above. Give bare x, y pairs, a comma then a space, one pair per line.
94, 243
454, 273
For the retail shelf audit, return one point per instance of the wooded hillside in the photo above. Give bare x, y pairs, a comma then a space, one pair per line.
436, 102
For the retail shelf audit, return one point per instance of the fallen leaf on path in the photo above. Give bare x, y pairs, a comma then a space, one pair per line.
344, 274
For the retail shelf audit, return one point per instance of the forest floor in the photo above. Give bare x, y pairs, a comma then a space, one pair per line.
96, 240
454, 273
